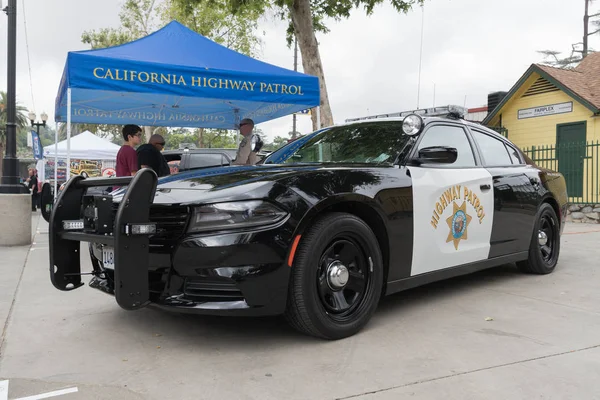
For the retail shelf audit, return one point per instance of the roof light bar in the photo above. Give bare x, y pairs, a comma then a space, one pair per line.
425, 112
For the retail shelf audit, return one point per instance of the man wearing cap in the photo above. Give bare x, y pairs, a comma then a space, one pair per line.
247, 153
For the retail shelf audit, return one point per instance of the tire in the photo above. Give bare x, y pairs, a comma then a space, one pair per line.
320, 304
543, 258
84, 174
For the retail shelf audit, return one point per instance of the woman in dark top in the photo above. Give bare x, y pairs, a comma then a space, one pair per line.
32, 184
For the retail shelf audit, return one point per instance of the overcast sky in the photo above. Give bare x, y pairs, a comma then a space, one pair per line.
470, 48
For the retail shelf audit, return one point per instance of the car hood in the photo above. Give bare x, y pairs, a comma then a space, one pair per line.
222, 183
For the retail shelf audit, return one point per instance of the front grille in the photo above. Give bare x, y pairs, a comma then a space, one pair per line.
171, 222
210, 289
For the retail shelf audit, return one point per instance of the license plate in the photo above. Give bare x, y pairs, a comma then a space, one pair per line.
108, 257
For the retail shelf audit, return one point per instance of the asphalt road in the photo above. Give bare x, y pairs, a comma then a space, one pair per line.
496, 334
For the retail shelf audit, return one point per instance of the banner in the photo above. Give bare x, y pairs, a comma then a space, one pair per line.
38, 150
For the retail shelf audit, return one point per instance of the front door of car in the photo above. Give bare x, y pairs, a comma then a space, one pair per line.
453, 202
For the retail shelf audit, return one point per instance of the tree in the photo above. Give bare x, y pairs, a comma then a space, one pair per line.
305, 17
578, 50
21, 120
139, 18
215, 20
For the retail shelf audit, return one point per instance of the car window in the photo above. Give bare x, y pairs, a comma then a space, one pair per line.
514, 155
201, 160
493, 150
451, 136
377, 143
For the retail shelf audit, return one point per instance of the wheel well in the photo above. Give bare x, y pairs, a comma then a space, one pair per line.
554, 204
373, 220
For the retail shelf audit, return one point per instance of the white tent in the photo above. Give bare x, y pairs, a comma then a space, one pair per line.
86, 145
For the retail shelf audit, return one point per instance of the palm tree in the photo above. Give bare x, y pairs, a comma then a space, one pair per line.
21, 121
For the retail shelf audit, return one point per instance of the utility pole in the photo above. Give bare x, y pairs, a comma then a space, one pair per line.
586, 20
295, 69
10, 171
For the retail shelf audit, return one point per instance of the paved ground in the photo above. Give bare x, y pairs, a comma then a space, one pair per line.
431, 342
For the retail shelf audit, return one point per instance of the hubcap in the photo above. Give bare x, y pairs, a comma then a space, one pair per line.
337, 275
542, 238
342, 277
547, 234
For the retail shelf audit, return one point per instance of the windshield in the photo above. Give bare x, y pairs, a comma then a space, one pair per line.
363, 143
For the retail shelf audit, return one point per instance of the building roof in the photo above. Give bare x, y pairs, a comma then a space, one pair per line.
581, 82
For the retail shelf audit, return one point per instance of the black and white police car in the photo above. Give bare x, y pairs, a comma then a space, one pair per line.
322, 229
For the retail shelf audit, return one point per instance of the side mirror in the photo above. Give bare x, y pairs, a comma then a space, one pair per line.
437, 155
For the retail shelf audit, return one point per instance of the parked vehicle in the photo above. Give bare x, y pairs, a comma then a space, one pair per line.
322, 229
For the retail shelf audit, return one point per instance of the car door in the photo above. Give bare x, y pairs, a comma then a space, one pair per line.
515, 193
453, 203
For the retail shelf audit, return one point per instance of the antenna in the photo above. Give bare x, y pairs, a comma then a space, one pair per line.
421, 52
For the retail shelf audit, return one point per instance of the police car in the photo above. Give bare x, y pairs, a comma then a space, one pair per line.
320, 231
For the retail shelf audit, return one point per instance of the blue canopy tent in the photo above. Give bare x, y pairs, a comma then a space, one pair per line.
176, 77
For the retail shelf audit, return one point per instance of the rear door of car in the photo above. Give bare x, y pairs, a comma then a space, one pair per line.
453, 203
515, 193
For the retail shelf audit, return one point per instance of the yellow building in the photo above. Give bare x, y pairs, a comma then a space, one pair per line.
554, 116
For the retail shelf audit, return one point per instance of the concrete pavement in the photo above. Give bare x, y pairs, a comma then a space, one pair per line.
497, 334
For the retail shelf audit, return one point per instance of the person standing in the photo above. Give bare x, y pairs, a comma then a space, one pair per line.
127, 160
150, 156
32, 184
249, 146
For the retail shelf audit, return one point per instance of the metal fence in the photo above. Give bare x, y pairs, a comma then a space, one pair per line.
578, 162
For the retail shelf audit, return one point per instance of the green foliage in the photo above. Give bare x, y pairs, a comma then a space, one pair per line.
105, 37
22, 118
211, 138
215, 20
137, 21
321, 10
278, 142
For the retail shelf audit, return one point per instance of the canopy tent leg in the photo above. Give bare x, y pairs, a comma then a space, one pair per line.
68, 166
56, 160
236, 113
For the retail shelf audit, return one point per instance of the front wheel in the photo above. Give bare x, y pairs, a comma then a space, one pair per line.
336, 279
544, 247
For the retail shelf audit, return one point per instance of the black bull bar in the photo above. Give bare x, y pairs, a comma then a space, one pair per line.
102, 225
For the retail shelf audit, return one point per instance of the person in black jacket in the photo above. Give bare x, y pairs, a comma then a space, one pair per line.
32, 184
150, 156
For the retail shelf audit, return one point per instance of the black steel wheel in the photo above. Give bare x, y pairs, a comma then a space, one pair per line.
544, 248
336, 279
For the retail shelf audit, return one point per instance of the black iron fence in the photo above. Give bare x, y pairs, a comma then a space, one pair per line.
578, 162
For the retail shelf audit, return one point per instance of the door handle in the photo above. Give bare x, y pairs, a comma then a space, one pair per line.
485, 187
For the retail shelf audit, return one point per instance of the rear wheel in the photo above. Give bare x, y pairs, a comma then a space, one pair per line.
336, 278
544, 248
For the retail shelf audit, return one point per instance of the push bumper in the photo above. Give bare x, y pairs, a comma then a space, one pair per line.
78, 217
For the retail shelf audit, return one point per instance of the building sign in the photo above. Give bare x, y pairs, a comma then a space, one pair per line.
551, 109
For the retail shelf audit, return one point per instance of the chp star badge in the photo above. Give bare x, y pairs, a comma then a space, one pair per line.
458, 223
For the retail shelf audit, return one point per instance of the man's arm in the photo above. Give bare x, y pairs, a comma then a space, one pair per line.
243, 153
132, 163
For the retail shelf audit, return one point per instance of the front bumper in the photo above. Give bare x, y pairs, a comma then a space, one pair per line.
240, 273
229, 274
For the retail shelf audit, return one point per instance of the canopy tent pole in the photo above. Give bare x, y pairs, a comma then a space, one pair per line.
56, 159
236, 113
68, 166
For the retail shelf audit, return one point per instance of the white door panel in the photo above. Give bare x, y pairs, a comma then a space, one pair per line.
452, 217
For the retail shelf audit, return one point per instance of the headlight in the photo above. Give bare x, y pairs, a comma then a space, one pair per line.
235, 215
